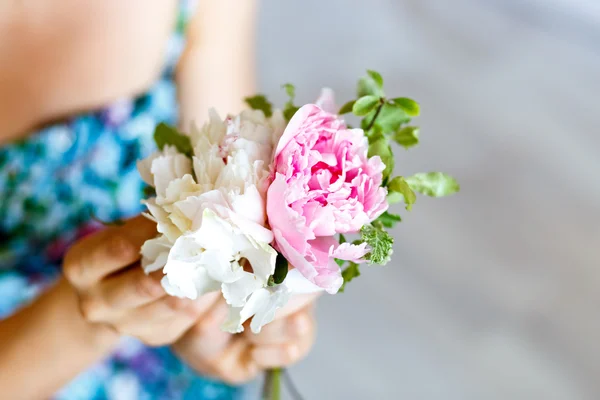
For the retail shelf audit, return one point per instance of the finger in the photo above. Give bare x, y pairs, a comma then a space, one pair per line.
296, 303
206, 340
284, 330
282, 355
236, 365
131, 289
162, 321
107, 251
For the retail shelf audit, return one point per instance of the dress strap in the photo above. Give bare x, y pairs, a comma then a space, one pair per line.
176, 45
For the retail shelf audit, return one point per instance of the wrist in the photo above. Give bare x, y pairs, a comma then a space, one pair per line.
100, 338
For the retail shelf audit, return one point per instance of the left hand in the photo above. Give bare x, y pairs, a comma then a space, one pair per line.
236, 359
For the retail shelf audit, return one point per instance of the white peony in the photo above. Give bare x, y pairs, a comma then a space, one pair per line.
210, 213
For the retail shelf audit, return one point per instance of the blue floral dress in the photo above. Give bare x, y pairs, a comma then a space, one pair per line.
53, 185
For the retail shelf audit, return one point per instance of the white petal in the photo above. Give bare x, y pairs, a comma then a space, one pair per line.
237, 292
250, 205
144, 167
154, 253
186, 280
278, 297
164, 224
262, 258
168, 167
261, 306
298, 284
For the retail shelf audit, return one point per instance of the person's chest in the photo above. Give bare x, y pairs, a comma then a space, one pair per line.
66, 56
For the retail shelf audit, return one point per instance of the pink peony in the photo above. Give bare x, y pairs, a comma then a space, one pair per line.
323, 184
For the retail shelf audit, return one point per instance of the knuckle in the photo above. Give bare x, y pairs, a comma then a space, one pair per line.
90, 308
120, 246
146, 287
176, 304
73, 268
290, 353
233, 376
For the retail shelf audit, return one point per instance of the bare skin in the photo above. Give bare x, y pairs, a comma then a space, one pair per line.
64, 57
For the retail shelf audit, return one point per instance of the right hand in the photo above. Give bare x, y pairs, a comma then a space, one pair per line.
115, 293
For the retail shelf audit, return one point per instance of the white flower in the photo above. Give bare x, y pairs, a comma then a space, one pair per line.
261, 306
207, 259
210, 212
264, 302
155, 253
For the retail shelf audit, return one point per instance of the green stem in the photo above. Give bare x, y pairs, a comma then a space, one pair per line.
375, 116
272, 386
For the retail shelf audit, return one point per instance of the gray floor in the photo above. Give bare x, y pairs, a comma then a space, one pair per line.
494, 293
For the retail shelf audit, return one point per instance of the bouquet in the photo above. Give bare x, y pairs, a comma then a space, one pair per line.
262, 205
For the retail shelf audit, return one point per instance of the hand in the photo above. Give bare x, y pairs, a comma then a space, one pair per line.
237, 359
114, 292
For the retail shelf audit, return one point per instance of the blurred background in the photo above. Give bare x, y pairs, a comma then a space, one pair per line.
494, 293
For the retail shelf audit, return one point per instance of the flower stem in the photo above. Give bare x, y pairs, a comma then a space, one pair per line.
375, 116
272, 385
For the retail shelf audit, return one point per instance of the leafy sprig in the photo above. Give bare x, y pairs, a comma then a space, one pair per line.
386, 121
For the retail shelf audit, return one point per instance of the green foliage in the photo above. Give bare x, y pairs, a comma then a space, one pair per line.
407, 137
409, 106
167, 135
434, 184
403, 191
342, 238
388, 220
365, 105
289, 109
290, 90
379, 241
260, 102
346, 108
340, 262
367, 86
349, 273
376, 76
149, 191
281, 269
389, 119
381, 148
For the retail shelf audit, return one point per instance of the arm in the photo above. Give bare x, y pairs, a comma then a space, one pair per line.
104, 295
45, 345
217, 67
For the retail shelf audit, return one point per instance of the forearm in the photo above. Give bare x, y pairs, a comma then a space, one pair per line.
217, 68
47, 344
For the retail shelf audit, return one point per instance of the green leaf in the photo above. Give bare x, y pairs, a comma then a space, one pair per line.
346, 108
410, 106
342, 238
434, 184
260, 102
407, 137
394, 197
290, 90
376, 76
381, 148
349, 273
367, 86
380, 243
365, 105
167, 135
281, 269
289, 111
340, 262
399, 186
149, 191
389, 119
389, 220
